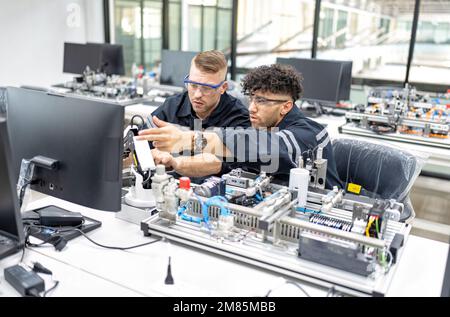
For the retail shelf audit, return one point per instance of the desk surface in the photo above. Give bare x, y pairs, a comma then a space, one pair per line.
86, 269
72, 281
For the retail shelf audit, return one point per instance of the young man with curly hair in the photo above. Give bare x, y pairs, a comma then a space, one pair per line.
280, 133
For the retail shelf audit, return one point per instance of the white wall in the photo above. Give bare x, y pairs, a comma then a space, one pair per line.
32, 36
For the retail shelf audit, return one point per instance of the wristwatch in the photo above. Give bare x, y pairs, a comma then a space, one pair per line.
200, 142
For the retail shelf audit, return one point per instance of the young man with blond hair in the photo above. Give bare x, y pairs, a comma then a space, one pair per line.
206, 98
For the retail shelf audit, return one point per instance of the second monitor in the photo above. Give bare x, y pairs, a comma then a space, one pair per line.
324, 81
175, 65
103, 57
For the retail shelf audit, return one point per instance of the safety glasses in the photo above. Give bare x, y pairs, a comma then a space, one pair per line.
205, 89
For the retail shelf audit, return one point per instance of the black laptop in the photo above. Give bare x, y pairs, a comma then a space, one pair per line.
11, 227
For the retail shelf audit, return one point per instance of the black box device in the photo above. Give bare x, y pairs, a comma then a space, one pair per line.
53, 216
23, 281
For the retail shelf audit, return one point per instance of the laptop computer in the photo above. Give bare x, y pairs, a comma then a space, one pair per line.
11, 227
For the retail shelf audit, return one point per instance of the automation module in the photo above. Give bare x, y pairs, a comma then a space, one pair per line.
98, 85
325, 237
401, 115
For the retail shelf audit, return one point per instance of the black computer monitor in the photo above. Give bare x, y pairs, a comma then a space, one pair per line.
324, 81
11, 228
77, 56
84, 136
112, 62
107, 58
175, 65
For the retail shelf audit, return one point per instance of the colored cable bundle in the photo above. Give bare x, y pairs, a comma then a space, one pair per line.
370, 222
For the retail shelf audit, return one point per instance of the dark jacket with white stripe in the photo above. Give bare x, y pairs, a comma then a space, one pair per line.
278, 150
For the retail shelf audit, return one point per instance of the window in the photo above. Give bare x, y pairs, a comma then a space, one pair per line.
152, 28
431, 60
374, 34
175, 25
269, 29
127, 30
138, 27
206, 25
193, 25
194, 35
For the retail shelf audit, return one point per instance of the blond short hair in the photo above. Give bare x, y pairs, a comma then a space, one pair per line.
211, 62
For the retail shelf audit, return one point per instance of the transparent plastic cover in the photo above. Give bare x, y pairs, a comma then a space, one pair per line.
382, 171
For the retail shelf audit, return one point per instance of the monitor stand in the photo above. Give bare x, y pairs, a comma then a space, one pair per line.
311, 110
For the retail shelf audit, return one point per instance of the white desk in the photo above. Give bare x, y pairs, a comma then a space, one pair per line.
196, 273
144, 269
72, 281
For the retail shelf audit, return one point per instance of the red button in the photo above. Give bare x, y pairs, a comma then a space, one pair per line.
185, 183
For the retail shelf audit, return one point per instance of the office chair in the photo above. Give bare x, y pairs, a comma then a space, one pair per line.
382, 171
2, 101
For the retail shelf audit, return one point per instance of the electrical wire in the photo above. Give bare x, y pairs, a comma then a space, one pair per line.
140, 126
22, 192
39, 268
369, 224
377, 226
51, 288
382, 258
292, 283
23, 253
94, 242
110, 247
146, 182
26, 232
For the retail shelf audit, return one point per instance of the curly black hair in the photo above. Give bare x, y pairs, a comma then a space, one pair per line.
276, 79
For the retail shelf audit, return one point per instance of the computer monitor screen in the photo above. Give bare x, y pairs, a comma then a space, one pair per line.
78, 56
10, 221
175, 65
84, 136
324, 81
112, 62
103, 57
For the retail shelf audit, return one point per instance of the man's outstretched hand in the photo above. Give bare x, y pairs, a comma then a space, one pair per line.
167, 137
